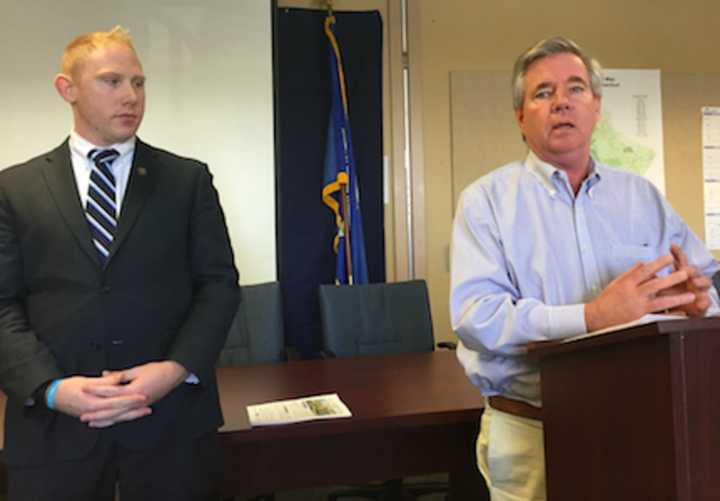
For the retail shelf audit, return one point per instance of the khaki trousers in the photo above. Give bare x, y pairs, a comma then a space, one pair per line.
511, 456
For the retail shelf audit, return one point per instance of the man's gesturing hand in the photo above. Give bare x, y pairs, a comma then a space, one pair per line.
697, 283
637, 292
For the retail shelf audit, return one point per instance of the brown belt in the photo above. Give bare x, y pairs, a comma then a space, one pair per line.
515, 407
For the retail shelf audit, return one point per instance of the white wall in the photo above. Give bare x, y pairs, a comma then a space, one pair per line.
209, 95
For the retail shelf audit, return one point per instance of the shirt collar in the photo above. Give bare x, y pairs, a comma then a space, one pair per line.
548, 174
81, 146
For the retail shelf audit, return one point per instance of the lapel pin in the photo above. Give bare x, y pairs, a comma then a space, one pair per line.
142, 171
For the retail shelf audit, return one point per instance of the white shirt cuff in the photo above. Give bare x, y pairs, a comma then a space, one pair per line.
566, 320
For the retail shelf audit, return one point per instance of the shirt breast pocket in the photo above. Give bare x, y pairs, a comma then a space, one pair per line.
625, 256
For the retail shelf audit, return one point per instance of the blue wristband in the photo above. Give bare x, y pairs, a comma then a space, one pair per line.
50, 394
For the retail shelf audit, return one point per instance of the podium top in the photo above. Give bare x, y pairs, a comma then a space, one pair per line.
543, 349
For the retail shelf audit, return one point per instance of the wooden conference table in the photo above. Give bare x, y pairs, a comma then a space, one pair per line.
413, 414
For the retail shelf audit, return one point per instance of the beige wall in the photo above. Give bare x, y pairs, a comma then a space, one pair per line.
680, 38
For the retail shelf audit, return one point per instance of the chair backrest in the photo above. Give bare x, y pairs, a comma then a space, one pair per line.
376, 319
256, 334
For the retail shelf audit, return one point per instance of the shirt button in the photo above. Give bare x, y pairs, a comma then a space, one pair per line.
106, 289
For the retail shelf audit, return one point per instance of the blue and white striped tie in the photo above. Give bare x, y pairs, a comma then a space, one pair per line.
101, 208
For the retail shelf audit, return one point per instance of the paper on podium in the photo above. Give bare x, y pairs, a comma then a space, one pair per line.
647, 319
296, 410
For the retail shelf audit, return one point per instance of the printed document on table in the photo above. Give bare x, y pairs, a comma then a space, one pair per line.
296, 410
647, 319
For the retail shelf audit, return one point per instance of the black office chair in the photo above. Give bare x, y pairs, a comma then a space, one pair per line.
256, 334
377, 319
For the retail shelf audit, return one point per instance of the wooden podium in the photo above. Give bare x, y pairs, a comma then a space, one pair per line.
634, 415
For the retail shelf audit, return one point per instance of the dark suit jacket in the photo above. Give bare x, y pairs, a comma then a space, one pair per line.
169, 291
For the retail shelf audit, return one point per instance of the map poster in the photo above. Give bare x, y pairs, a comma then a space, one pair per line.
629, 134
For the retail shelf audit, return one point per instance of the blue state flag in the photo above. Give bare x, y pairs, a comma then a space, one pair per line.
340, 188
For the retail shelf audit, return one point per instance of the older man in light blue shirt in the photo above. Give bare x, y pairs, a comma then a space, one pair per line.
553, 246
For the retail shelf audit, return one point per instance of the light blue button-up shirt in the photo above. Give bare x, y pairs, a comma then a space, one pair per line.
527, 255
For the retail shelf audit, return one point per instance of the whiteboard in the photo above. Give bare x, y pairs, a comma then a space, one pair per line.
209, 95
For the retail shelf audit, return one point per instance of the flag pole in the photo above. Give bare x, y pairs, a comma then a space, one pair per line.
340, 173
346, 231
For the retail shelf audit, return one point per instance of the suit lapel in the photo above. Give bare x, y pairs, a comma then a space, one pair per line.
60, 181
138, 189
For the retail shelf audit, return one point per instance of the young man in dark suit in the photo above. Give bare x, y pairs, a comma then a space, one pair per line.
117, 289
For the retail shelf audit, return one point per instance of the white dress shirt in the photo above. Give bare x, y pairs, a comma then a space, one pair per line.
82, 166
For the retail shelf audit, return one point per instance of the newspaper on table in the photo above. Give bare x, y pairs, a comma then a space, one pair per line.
296, 410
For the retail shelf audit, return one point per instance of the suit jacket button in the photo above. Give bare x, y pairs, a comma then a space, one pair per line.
117, 342
105, 289
95, 346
